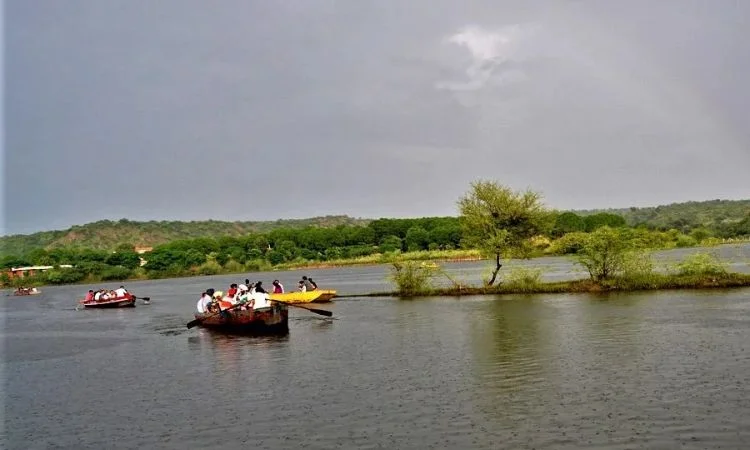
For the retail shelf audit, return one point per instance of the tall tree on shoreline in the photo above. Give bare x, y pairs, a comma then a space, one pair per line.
500, 222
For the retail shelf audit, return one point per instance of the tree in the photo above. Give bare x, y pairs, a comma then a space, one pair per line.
390, 244
417, 238
568, 222
595, 221
604, 252
500, 222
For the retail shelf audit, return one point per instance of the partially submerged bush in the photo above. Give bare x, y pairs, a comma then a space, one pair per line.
412, 278
637, 263
523, 279
603, 253
701, 264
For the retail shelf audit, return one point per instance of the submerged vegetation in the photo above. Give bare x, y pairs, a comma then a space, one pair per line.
495, 222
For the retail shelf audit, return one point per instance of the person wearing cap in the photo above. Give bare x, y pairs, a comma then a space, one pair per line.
242, 294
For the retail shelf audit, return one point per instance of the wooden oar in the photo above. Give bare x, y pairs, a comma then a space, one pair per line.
322, 312
195, 322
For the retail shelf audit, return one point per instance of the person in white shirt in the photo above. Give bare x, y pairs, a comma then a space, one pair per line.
203, 303
260, 300
97, 296
121, 291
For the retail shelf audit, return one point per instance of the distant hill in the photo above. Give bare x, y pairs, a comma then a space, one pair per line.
108, 235
681, 216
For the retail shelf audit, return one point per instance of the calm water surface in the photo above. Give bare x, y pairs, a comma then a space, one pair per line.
650, 370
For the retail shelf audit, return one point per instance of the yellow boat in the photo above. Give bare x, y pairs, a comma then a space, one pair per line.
316, 296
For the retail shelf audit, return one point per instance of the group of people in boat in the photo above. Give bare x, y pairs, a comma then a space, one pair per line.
103, 295
212, 301
26, 291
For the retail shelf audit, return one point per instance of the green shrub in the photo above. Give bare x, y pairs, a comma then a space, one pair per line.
637, 263
64, 276
233, 266
571, 243
412, 278
685, 241
604, 252
523, 279
257, 265
701, 264
209, 268
116, 273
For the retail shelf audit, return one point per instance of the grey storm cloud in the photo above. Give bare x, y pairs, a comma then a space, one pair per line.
265, 110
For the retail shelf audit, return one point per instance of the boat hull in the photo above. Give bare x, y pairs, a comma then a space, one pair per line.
263, 322
25, 293
316, 296
124, 302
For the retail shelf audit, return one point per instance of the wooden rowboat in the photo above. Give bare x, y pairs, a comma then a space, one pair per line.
128, 301
32, 291
316, 296
273, 320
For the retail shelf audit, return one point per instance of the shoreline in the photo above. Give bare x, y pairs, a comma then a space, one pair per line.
426, 257
654, 282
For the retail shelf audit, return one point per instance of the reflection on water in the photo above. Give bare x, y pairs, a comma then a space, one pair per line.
615, 371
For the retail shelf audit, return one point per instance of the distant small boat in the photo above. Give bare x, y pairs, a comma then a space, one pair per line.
272, 320
27, 291
316, 296
128, 301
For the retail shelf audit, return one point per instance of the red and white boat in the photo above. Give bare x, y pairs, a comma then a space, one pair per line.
127, 301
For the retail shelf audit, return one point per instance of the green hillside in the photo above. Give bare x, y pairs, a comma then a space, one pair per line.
108, 235
723, 218
712, 214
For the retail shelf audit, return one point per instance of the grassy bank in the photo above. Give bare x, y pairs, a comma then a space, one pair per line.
649, 283
387, 258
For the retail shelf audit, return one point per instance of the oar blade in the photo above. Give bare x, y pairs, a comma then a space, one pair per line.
322, 312
193, 323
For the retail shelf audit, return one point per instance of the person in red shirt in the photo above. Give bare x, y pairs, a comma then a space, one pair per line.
278, 288
232, 290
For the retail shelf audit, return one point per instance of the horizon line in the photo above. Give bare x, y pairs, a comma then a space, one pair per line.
347, 216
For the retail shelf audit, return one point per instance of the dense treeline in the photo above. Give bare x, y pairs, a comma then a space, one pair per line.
262, 250
721, 218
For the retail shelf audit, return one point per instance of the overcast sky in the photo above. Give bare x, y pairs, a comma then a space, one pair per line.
253, 110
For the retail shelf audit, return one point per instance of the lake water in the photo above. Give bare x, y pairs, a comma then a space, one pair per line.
647, 370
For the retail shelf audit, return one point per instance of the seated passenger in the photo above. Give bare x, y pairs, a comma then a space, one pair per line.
232, 291
89, 296
260, 300
259, 287
121, 291
219, 298
203, 303
278, 288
